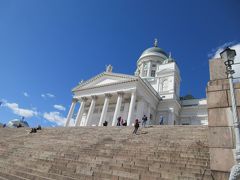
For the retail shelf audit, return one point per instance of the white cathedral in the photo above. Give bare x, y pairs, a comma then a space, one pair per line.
153, 91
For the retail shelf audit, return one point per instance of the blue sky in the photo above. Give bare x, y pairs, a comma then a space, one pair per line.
47, 47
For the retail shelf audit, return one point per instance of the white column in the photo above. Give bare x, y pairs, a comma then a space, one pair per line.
91, 109
80, 111
142, 69
118, 108
140, 108
70, 113
131, 107
171, 116
149, 69
125, 110
105, 108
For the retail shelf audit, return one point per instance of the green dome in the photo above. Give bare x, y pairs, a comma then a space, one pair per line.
154, 50
16, 123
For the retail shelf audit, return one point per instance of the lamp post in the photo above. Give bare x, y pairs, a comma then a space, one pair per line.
228, 55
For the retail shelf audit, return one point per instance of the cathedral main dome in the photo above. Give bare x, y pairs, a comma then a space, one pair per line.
154, 50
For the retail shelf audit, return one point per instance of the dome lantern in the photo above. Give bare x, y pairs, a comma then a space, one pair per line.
155, 42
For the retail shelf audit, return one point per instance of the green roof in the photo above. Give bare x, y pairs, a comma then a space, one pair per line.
155, 50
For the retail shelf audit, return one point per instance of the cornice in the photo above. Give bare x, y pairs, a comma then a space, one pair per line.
104, 85
101, 75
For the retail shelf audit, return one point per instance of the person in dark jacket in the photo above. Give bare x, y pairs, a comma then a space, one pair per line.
136, 126
144, 121
119, 121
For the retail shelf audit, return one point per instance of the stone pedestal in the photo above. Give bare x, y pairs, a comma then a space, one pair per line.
221, 132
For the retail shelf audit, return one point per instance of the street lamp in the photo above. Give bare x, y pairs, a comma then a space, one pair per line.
228, 56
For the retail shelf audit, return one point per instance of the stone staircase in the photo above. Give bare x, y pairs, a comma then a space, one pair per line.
157, 152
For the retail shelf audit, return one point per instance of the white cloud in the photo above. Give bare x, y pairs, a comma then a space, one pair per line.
49, 95
34, 108
20, 111
59, 107
26, 94
219, 49
236, 47
56, 117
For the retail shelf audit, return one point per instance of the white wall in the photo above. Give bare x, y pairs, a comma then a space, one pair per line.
194, 112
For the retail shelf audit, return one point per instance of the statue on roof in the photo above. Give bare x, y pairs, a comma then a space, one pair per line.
137, 72
155, 42
81, 81
170, 59
109, 68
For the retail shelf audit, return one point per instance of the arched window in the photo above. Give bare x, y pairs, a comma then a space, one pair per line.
145, 70
153, 70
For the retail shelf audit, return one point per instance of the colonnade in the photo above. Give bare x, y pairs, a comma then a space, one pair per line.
103, 116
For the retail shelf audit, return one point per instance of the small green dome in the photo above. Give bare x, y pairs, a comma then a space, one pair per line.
16, 123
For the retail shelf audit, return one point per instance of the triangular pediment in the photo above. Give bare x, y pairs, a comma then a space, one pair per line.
104, 79
107, 81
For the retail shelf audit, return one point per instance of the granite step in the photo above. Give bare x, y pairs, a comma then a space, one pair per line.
106, 153
36, 172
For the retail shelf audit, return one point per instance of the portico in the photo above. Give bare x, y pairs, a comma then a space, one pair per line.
108, 96
111, 105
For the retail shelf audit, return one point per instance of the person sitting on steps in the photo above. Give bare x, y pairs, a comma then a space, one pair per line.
124, 123
105, 123
39, 127
33, 130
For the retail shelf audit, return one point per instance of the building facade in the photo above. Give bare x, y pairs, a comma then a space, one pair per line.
153, 91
